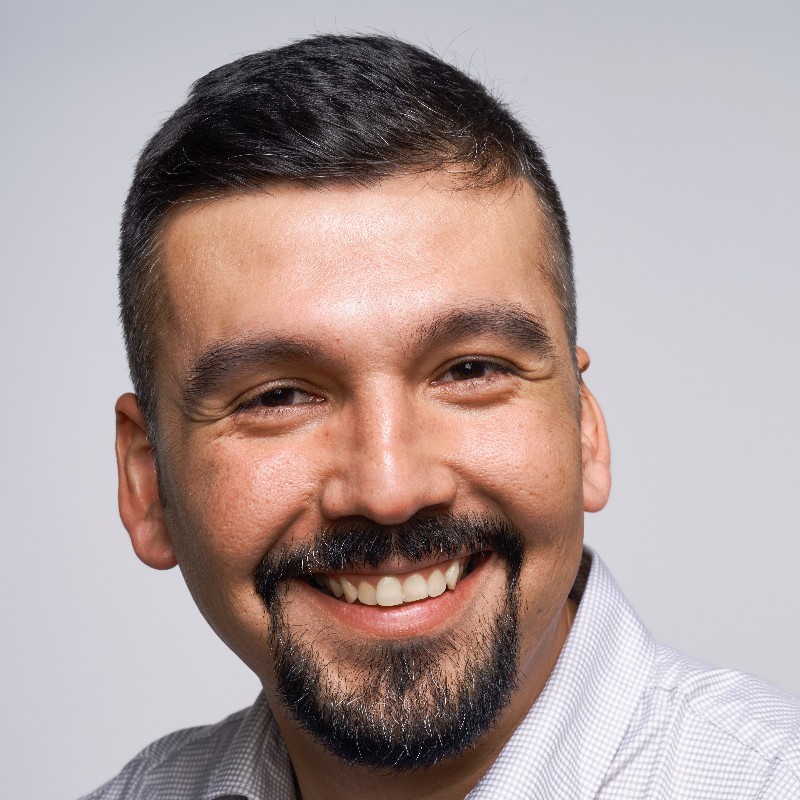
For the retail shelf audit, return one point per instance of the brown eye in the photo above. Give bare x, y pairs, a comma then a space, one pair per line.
468, 369
278, 398
285, 396
473, 369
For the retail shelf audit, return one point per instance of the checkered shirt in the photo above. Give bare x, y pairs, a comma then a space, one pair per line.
621, 718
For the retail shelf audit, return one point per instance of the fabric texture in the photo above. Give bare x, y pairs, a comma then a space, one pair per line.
621, 718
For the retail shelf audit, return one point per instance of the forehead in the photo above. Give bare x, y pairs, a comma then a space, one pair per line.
340, 258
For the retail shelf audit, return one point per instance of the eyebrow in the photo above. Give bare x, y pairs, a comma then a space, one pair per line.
227, 359
511, 323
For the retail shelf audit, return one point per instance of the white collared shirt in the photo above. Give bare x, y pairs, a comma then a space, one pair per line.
620, 718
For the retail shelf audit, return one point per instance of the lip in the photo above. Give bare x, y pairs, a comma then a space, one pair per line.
406, 621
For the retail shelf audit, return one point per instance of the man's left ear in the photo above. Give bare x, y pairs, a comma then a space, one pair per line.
595, 451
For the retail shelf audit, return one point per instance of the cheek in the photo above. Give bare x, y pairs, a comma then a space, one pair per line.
528, 465
229, 504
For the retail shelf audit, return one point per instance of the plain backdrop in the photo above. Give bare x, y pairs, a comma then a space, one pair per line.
672, 130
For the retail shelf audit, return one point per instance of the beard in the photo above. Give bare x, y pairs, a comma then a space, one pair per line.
407, 703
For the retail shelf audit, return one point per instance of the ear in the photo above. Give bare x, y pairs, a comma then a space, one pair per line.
595, 451
139, 502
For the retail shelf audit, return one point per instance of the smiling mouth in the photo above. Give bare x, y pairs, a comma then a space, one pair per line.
387, 590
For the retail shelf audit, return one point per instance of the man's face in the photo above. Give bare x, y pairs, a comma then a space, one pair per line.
369, 392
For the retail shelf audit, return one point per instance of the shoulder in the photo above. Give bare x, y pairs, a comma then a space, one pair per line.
180, 764
709, 729
751, 711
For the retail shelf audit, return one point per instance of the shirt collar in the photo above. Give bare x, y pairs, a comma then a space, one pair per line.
255, 764
566, 743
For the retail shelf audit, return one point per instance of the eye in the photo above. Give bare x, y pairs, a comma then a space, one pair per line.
280, 397
473, 369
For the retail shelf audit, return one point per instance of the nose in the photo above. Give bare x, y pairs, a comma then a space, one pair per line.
391, 462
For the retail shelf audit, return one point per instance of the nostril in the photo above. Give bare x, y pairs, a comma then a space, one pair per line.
386, 482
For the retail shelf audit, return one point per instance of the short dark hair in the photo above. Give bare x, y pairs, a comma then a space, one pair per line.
352, 109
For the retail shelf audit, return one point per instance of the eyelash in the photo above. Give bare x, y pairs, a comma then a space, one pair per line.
254, 403
493, 367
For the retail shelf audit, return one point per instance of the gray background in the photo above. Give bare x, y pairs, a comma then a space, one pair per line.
672, 130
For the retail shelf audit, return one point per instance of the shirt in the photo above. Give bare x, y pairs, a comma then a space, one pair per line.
620, 717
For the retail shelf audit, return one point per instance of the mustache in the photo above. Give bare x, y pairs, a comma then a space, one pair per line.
351, 545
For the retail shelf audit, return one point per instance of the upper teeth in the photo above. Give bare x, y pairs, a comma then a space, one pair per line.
391, 590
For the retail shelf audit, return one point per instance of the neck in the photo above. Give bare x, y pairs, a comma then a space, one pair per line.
322, 776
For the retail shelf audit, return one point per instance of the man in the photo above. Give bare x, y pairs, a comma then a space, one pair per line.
360, 429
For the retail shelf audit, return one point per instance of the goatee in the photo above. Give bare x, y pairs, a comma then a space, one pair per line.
415, 701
